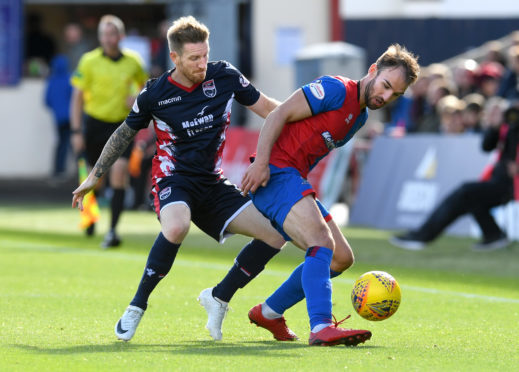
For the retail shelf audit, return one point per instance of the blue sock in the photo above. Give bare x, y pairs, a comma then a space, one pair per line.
317, 285
291, 291
160, 260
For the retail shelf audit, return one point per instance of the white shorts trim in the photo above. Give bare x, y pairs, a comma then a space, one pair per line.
169, 204
223, 234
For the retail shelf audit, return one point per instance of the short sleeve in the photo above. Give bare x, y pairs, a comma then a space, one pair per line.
140, 115
325, 94
79, 78
244, 92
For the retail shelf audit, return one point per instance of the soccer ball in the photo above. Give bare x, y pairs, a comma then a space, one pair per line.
376, 295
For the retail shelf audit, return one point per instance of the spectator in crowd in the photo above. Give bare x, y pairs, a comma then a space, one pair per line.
437, 89
493, 112
439, 71
450, 112
398, 120
418, 105
488, 77
495, 53
474, 104
463, 75
75, 44
509, 87
478, 197
57, 97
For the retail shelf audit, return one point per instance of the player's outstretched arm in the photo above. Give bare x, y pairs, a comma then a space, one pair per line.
264, 106
114, 147
294, 108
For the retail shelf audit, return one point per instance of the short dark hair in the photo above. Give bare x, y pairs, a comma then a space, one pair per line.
186, 30
398, 56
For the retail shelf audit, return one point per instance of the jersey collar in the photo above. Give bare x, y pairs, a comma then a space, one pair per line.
189, 90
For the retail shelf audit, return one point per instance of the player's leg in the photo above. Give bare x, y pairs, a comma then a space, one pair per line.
119, 179
291, 291
230, 213
175, 218
457, 203
304, 223
254, 256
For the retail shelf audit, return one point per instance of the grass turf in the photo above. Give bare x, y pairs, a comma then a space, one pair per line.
60, 296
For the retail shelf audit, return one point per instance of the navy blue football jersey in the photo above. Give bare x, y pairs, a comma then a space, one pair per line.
191, 123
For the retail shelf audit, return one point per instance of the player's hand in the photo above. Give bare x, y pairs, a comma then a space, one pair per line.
83, 189
256, 175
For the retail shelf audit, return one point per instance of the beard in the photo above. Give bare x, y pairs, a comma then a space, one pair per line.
196, 78
371, 102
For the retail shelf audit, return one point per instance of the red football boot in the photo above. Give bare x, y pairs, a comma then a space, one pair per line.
277, 327
333, 335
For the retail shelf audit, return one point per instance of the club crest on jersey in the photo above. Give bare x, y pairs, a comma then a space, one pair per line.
165, 193
328, 140
209, 88
317, 89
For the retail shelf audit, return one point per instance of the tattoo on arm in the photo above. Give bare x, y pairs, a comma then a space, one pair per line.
114, 147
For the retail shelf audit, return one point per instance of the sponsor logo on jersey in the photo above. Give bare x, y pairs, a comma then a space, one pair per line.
201, 113
209, 88
348, 118
328, 140
197, 121
244, 82
165, 193
317, 90
170, 100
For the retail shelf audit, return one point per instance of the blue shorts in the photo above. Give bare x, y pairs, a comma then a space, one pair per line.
284, 189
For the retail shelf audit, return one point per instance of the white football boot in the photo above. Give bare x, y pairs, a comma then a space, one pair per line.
216, 311
126, 326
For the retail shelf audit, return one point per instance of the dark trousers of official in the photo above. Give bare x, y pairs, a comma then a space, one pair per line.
475, 198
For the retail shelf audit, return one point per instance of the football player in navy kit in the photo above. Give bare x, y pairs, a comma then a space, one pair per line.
190, 107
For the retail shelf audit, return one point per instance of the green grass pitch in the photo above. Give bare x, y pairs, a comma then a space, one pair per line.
60, 296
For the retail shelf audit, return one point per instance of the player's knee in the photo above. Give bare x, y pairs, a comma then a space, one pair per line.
343, 261
274, 240
176, 233
324, 238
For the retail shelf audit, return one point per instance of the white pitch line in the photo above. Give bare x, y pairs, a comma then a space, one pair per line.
214, 266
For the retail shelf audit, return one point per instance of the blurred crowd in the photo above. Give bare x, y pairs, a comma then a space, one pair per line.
465, 96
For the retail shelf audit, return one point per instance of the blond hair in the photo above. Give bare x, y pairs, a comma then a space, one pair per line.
186, 30
110, 19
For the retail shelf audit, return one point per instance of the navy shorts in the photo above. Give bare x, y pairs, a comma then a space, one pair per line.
96, 134
213, 203
284, 189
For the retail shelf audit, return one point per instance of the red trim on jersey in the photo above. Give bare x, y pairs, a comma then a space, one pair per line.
308, 192
189, 90
328, 218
